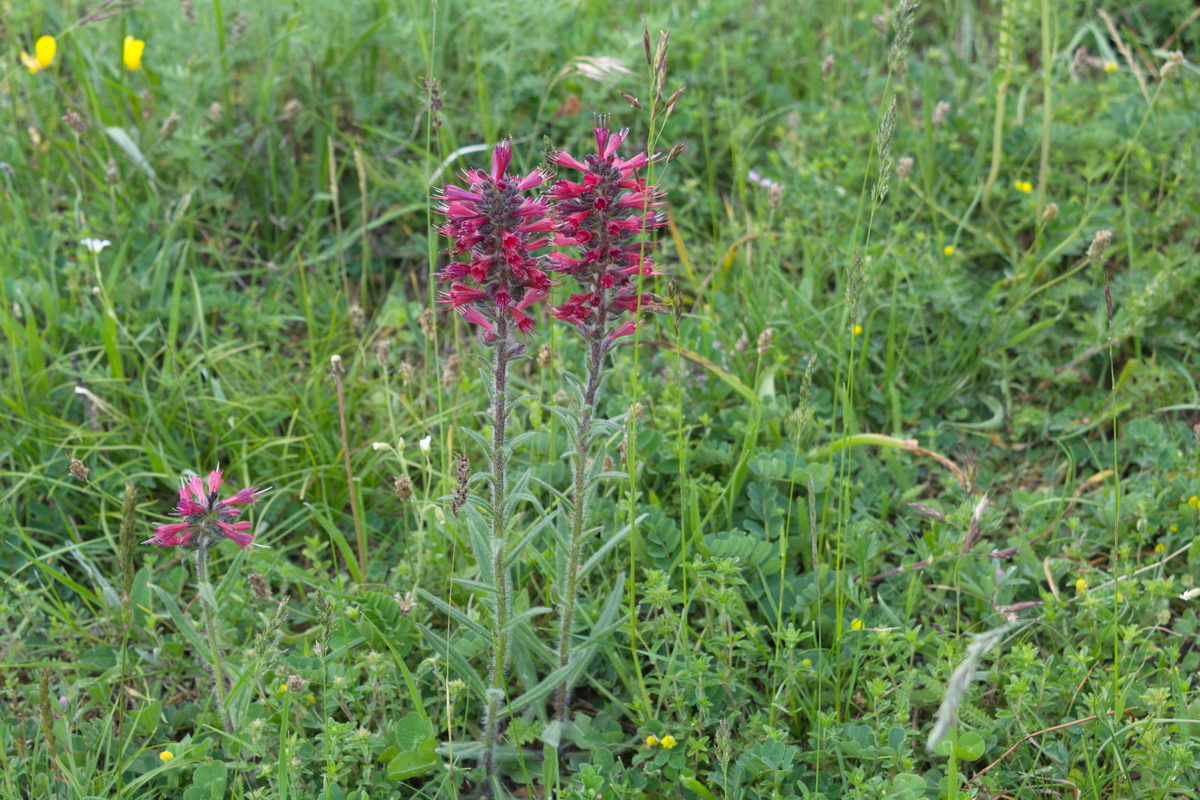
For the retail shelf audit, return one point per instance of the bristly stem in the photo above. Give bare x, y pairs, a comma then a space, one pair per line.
579, 465
211, 630
495, 693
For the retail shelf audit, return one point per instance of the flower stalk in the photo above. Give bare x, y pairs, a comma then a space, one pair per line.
499, 481
207, 521
579, 496
497, 228
606, 217
210, 630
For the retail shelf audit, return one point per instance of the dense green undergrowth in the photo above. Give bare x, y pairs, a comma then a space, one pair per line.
785, 619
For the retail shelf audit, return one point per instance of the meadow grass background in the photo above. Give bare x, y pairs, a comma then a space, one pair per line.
787, 617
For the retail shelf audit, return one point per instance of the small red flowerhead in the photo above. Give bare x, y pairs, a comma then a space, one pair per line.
206, 520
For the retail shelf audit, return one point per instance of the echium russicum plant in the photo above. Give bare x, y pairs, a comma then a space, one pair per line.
498, 227
607, 218
208, 521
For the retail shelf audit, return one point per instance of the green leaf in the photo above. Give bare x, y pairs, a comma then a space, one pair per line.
422, 761
969, 746
126, 143
412, 731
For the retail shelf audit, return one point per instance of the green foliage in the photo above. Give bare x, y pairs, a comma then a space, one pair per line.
758, 587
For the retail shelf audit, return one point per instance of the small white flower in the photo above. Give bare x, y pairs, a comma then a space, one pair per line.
1189, 594
95, 245
425, 444
380, 446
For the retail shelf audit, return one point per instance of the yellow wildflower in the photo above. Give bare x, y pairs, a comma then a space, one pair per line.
166, 755
1110, 66
282, 688
856, 625
310, 698
806, 662
44, 51
133, 53
1120, 597
858, 330
1173, 528
948, 250
1160, 548
652, 741
1080, 586
668, 741
1194, 502
1026, 187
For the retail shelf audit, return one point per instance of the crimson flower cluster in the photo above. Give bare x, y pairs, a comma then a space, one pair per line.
498, 229
604, 217
205, 518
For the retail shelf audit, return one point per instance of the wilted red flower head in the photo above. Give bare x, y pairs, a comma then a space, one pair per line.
497, 228
205, 519
604, 217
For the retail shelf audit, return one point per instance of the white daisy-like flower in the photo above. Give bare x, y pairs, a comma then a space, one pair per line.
95, 245
1189, 594
425, 444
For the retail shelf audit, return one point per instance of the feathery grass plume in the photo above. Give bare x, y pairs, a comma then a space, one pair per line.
798, 420
724, 742
610, 217
883, 148
960, 682
127, 544
266, 643
902, 21
855, 281
46, 710
327, 624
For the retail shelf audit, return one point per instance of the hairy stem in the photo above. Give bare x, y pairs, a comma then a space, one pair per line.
491, 723
579, 466
210, 630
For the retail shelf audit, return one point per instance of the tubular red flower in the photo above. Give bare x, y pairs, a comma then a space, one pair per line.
606, 216
207, 519
501, 229
626, 328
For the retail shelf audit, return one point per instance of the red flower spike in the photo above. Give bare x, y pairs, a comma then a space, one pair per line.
501, 229
605, 216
